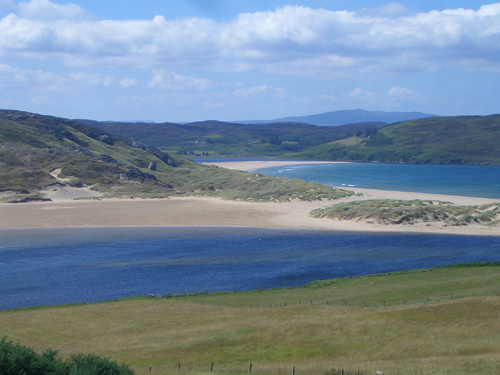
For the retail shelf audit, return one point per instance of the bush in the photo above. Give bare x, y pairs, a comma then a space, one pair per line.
16, 359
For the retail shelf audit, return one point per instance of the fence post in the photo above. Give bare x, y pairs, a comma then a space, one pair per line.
178, 367
293, 371
250, 369
212, 367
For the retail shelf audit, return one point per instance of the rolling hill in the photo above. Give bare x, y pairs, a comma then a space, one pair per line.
39, 154
438, 140
215, 138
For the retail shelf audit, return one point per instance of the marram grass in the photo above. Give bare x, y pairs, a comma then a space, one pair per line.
388, 211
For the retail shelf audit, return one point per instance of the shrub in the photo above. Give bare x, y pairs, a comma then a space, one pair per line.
16, 359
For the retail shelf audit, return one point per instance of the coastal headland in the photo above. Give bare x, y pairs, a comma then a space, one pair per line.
204, 211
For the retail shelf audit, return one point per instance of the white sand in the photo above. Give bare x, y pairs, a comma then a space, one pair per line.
64, 212
201, 212
253, 165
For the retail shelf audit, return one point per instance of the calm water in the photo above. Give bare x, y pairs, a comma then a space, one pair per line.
467, 180
56, 266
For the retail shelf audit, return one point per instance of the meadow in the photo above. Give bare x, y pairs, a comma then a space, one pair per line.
434, 321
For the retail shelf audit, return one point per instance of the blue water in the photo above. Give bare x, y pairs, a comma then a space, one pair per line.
69, 265
466, 180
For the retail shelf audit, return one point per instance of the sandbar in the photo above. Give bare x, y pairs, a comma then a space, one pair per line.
259, 164
204, 211
200, 211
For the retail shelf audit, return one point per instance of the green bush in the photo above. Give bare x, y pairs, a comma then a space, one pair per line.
16, 359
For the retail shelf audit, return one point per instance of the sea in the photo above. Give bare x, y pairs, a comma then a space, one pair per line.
51, 266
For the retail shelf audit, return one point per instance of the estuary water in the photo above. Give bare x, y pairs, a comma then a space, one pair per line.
464, 180
71, 265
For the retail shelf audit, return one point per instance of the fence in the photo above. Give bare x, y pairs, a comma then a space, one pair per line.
251, 369
344, 302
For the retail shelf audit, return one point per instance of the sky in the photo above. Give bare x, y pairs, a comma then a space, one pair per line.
236, 60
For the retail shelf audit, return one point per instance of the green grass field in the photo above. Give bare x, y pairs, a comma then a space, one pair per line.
434, 321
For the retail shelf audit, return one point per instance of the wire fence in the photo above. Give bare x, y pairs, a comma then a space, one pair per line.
336, 302
250, 369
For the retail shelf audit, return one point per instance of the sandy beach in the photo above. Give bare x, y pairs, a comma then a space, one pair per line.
253, 165
194, 211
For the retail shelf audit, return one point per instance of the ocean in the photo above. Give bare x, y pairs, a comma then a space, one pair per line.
465, 180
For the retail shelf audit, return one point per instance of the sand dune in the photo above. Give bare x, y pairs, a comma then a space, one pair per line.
194, 211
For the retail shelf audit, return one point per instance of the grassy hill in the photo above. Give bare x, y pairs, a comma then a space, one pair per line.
437, 140
440, 140
34, 147
432, 321
221, 139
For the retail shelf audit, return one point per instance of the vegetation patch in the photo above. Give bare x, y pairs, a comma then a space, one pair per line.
387, 211
434, 140
42, 152
16, 359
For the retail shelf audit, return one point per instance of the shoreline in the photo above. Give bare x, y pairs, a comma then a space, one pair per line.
216, 212
249, 166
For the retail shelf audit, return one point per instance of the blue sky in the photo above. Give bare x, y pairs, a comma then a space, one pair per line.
190, 60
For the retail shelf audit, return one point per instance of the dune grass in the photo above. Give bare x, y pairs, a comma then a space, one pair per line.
388, 211
456, 332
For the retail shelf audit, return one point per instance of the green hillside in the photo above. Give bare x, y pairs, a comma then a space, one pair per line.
215, 138
34, 147
440, 140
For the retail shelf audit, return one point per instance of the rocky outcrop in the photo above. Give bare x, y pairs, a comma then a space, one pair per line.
163, 156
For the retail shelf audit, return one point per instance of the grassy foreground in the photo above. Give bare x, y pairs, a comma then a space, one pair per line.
434, 321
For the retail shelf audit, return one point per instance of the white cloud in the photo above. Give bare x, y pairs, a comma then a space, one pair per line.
402, 93
173, 81
48, 11
48, 82
86, 79
362, 94
17, 79
128, 82
292, 40
252, 91
259, 92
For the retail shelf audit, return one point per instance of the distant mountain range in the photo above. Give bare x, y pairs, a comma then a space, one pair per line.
343, 117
